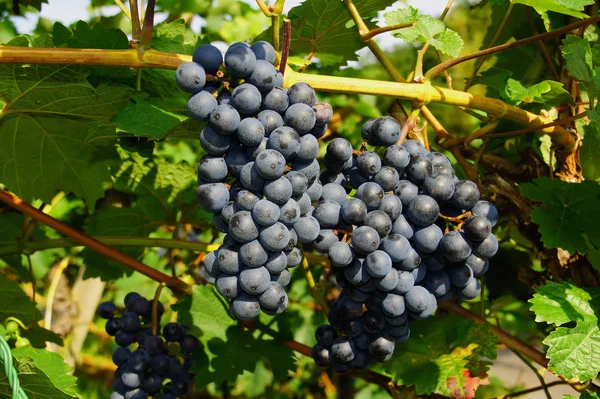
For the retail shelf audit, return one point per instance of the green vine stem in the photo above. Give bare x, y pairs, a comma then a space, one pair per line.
420, 93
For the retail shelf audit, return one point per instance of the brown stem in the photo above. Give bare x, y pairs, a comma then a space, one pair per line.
287, 37
564, 121
531, 390
135, 20
111, 253
374, 32
482, 131
433, 72
545, 53
146, 37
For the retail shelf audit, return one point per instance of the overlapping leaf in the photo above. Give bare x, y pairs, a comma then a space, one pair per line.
568, 211
55, 132
228, 350
574, 352
157, 184
579, 57
567, 7
427, 29
443, 355
42, 375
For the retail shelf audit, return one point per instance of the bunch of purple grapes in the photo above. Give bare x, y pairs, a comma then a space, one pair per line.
412, 236
260, 175
159, 366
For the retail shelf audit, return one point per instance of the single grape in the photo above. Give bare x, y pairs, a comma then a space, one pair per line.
152, 383
290, 213
245, 200
250, 178
276, 100
340, 254
254, 281
286, 141
263, 76
323, 113
209, 57
131, 379
225, 120
190, 77
371, 194
403, 227
406, 281
487, 210
239, 60
212, 169
385, 131
381, 348
466, 195
460, 275
307, 228
309, 148
339, 150
327, 213
417, 299
302, 93
388, 282
273, 297
418, 169
107, 310
438, 283
130, 322
324, 240
354, 211
397, 157
387, 178
378, 264
487, 248
271, 120
415, 148
477, 264
342, 350
189, 343
283, 279
315, 189
274, 238
270, 164
310, 169
406, 191
242, 228
212, 197
477, 228
160, 364
423, 210
214, 143
380, 221
397, 247
392, 206
440, 188
120, 356
246, 99
201, 105
300, 117
276, 262
299, 182
266, 213
365, 239
471, 290
321, 355
427, 239
264, 51
393, 305
368, 164
252, 254
325, 335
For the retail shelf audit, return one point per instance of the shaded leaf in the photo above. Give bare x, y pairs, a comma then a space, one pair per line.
442, 355
567, 211
207, 314
146, 120
590, 152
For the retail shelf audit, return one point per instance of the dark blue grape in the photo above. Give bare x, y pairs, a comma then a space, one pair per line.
252, 254
324, 240
271, 120
212, 169
214, 143
225, 120
380, 221
250, 132
263, 76
190, 77
209, 57
309, 148
246, 99
339, 150
201, 105
302, 93
189, 343
423, 210
487, 210
397, 157
300, 117
270, 164
245, 307
286, 141
120, 356
385, 131
242, 228
212, 197
107, 310
321, 355
264, 51
276, 100
466, 195
239, 60
273, 297
152, 383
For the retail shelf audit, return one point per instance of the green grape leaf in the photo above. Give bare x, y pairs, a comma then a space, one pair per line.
147, 120
15, 303
207, 314
188, 129
574, 352
55, 132
590, 152
579, 57
176, 37
442, 355
584, 395
42, 375
324, 28
567, 211
500, 84
158, 186
562, 303
11, 227
428, 29
52, 365
567, 7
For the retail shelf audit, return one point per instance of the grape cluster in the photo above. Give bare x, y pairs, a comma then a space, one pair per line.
412, 236
160, 366
260, 175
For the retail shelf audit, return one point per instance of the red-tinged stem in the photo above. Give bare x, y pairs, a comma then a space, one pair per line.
287, 38
111, 253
